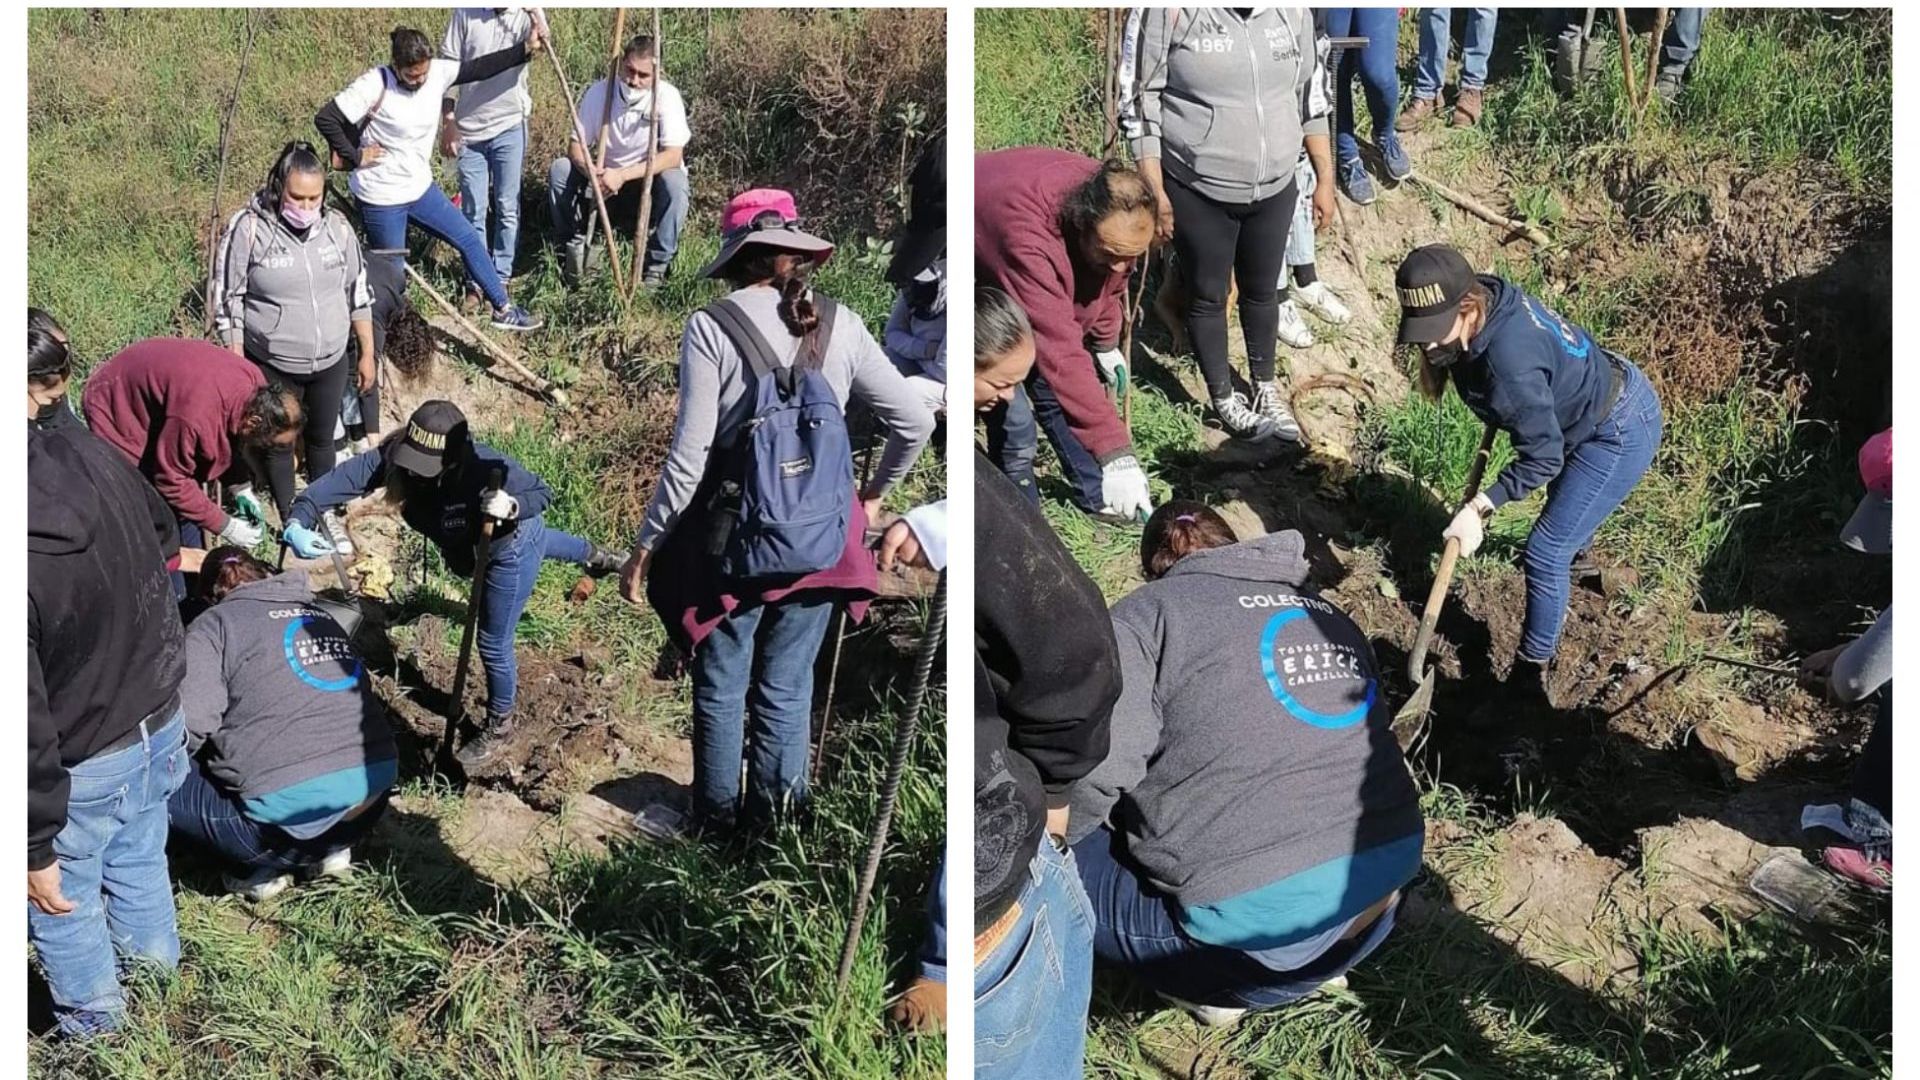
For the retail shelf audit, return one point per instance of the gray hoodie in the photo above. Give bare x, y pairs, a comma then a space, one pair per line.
276, 688
1224, 102
1251, 740
290, 299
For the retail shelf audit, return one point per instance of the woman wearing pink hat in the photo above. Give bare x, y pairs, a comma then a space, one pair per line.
1856, 671
771, 352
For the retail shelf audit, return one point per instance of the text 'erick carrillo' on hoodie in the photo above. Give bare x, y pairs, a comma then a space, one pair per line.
1252, 767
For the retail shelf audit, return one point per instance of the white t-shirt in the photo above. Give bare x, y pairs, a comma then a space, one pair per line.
495, 105
627, 140
406, 128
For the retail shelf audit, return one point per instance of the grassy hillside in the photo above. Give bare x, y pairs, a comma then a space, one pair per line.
501, 932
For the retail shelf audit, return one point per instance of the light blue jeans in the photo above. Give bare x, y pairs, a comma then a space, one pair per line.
570, 202
113, 870
1436, 40
753, 701
1030, 993
513, 567
490, 180
1300, 250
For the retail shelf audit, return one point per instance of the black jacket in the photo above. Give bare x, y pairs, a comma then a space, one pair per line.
103, 632
1046, 675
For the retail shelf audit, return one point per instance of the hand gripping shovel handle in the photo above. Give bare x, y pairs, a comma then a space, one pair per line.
1437, 596
456, 710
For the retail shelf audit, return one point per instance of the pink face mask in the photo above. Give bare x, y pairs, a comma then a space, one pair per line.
299, 218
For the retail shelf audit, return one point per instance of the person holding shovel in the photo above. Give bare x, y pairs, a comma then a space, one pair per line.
445, 485
750, 595
384, 126
1247, 835
632, 147
290, 292
293, 754
1584, 421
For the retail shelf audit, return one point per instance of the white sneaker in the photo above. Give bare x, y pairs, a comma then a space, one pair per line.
1272, 406
1213, 1016
1242, 421
1293, 329
336, 531
264, 884
337, 864
1320, 299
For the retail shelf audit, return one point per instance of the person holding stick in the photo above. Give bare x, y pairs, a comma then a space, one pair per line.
746, 591
383, 127
632, 147
1584, 421
440, 478
483, 127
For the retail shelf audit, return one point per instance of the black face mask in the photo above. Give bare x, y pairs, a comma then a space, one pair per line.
51, 409
1442, 356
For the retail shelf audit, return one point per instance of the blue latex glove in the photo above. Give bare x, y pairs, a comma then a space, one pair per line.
305, 542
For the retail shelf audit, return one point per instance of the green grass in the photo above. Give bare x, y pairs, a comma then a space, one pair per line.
693, 961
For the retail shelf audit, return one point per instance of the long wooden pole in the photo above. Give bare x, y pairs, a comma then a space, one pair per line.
552, 392
1482, 211
644, 224
1653, 59
586, 146
613, 81
1626, 56
220, 175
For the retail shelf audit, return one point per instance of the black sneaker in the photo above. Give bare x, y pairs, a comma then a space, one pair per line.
483, 749
603, 562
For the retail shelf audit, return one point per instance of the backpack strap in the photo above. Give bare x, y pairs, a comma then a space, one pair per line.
751, 343
386, 80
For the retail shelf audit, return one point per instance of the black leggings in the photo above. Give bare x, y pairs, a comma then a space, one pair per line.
1217, 243
319, 394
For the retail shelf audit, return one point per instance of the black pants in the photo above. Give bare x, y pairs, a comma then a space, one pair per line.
319, 394
1217, 243
1873, 772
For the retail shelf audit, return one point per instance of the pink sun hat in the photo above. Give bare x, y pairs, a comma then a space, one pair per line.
763, 216
1871, 527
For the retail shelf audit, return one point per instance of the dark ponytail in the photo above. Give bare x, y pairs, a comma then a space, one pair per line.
759, 263
1177, 530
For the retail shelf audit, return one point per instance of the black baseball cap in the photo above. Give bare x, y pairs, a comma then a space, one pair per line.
1431, 280
432, 428
925, 237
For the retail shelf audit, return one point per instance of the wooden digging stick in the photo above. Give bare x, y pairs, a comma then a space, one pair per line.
1653, 59
1626, 56
542, 386
1482, 211
220, 174
644, 224
586, 146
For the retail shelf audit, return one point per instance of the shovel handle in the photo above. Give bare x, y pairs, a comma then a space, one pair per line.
1437, 596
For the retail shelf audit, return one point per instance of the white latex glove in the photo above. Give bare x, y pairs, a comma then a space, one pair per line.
499, 505
1123, 485
1113, 368
1469, 526
240, 532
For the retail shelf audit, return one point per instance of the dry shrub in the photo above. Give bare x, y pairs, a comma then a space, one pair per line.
637, 448
409, 343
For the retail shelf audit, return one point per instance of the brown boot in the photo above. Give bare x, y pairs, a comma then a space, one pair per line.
1417, 113
923, 1008
1466, 109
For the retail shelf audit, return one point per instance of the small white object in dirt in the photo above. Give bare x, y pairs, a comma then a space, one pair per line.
558, 396
1829, 816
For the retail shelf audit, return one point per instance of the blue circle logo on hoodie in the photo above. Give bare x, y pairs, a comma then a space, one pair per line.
316, 640
1321, 682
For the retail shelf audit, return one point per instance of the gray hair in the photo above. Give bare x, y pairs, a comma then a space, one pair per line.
999, 324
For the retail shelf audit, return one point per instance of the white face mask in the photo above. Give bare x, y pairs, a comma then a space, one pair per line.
631, 97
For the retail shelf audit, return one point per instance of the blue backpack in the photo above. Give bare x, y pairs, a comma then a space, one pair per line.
787, 489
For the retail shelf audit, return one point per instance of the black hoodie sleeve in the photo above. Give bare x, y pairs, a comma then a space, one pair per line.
486, 67
1044, 637
47, 781
334, 127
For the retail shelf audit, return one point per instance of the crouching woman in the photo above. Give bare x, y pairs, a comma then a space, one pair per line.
293, 756
1247, 836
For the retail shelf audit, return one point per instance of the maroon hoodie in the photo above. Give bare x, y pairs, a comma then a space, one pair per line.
1018, 245
172, 407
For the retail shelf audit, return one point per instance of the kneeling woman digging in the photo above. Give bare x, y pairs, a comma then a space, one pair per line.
1584, 421
446, 486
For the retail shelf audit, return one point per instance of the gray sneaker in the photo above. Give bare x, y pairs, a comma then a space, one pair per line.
1242, 421
1271, 404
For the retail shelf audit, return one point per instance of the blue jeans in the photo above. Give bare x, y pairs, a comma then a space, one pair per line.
490, 179
1374, 65
1078, 467
1136, 929
570, 201
1596, 479
1030, 993
1013, 441
758, 662
112, 856
933, 952
1682, 40
513, 565
1436, 40
1300, 247
204, 812
387, 230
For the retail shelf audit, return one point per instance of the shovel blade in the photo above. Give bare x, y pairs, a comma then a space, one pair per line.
1411, 721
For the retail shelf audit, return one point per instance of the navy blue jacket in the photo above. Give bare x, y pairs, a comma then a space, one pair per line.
1538, 377
446, 512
